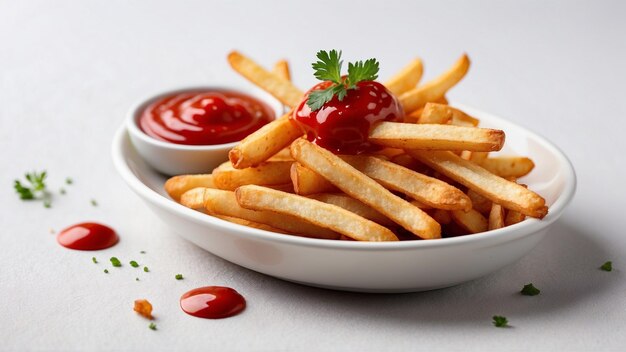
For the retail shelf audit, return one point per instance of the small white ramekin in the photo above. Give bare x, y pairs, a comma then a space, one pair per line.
175, 159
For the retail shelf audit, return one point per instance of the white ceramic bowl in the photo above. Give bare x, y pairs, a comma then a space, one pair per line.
363, 266
175, 159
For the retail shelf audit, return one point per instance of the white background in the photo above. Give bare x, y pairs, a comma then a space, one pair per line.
70, 70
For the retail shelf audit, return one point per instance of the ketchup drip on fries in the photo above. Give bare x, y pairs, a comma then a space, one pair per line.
87, 236
212, 302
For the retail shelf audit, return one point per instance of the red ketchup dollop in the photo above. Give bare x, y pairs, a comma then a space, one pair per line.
87, 236
212, 302
204, 117
343, 126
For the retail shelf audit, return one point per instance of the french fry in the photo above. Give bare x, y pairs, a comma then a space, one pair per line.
421, 205
306, 182
436, 137
435, 89
513, 217
410, 163
407, 78
256, 225
355, 206
506, 193
319, 213
480, 203
283, 155
496, 217
281, 69
435, 113
508, 166
363, 188
476, 157
224, 203
194, 198
177, 185
441, 216
425, 189
414, 116
264, 143
269, 173
281, 89
472, 221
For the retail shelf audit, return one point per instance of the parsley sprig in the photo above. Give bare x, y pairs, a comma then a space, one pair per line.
35, 188
328, 68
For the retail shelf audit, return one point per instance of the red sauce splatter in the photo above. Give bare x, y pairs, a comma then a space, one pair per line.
212, 302
204, 117
343, 126
87, 236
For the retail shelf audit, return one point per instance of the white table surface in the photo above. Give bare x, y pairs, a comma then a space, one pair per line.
70, 70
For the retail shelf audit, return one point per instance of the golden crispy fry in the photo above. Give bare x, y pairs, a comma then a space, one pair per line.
436, 137
178, 185
355, 206
194, 198
387, 153
264, 143
427, 190
283, 155
434, 113
480, 203
476, 157
281, 89
496, 217
508, 166
506, 193
435, 89
421, 205
407, 78
410, 163
441, 216
472, 221
513, 217
363, 188
269, 173
224, 203
305, 181
253, 224
281, 69
319, 213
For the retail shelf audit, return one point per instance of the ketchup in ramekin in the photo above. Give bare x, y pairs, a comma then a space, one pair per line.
204, 117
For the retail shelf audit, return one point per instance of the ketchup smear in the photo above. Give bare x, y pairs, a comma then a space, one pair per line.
212, 302
206, 117
343, 126
87, 236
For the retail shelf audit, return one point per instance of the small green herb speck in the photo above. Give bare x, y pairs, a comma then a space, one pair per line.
608, 266
145, 268
179, 276
152, 326
94, 260
530, 290
133, 264
143, 252
115, 262
106, 271
47, 203
62, 190
500, 321
94, 203
136, 279
69, 181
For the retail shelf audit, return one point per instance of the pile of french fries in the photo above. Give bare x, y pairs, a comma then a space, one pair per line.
434, 175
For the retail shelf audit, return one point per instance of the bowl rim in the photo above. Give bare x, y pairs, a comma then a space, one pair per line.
132, 115
508, 233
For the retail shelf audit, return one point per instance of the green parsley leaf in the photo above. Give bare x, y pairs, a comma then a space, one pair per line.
500, 321
133, 264
608, 266
94, 203
24, 192
115, 262
530, 290
47, 203
106, 271
179, 276
362, 71
94, 260
136, 279
62, 190
69, 181
328, 68
152, 326
143, 252
145, 268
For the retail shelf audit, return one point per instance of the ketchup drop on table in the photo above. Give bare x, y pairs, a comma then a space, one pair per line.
212, 302
87, 236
